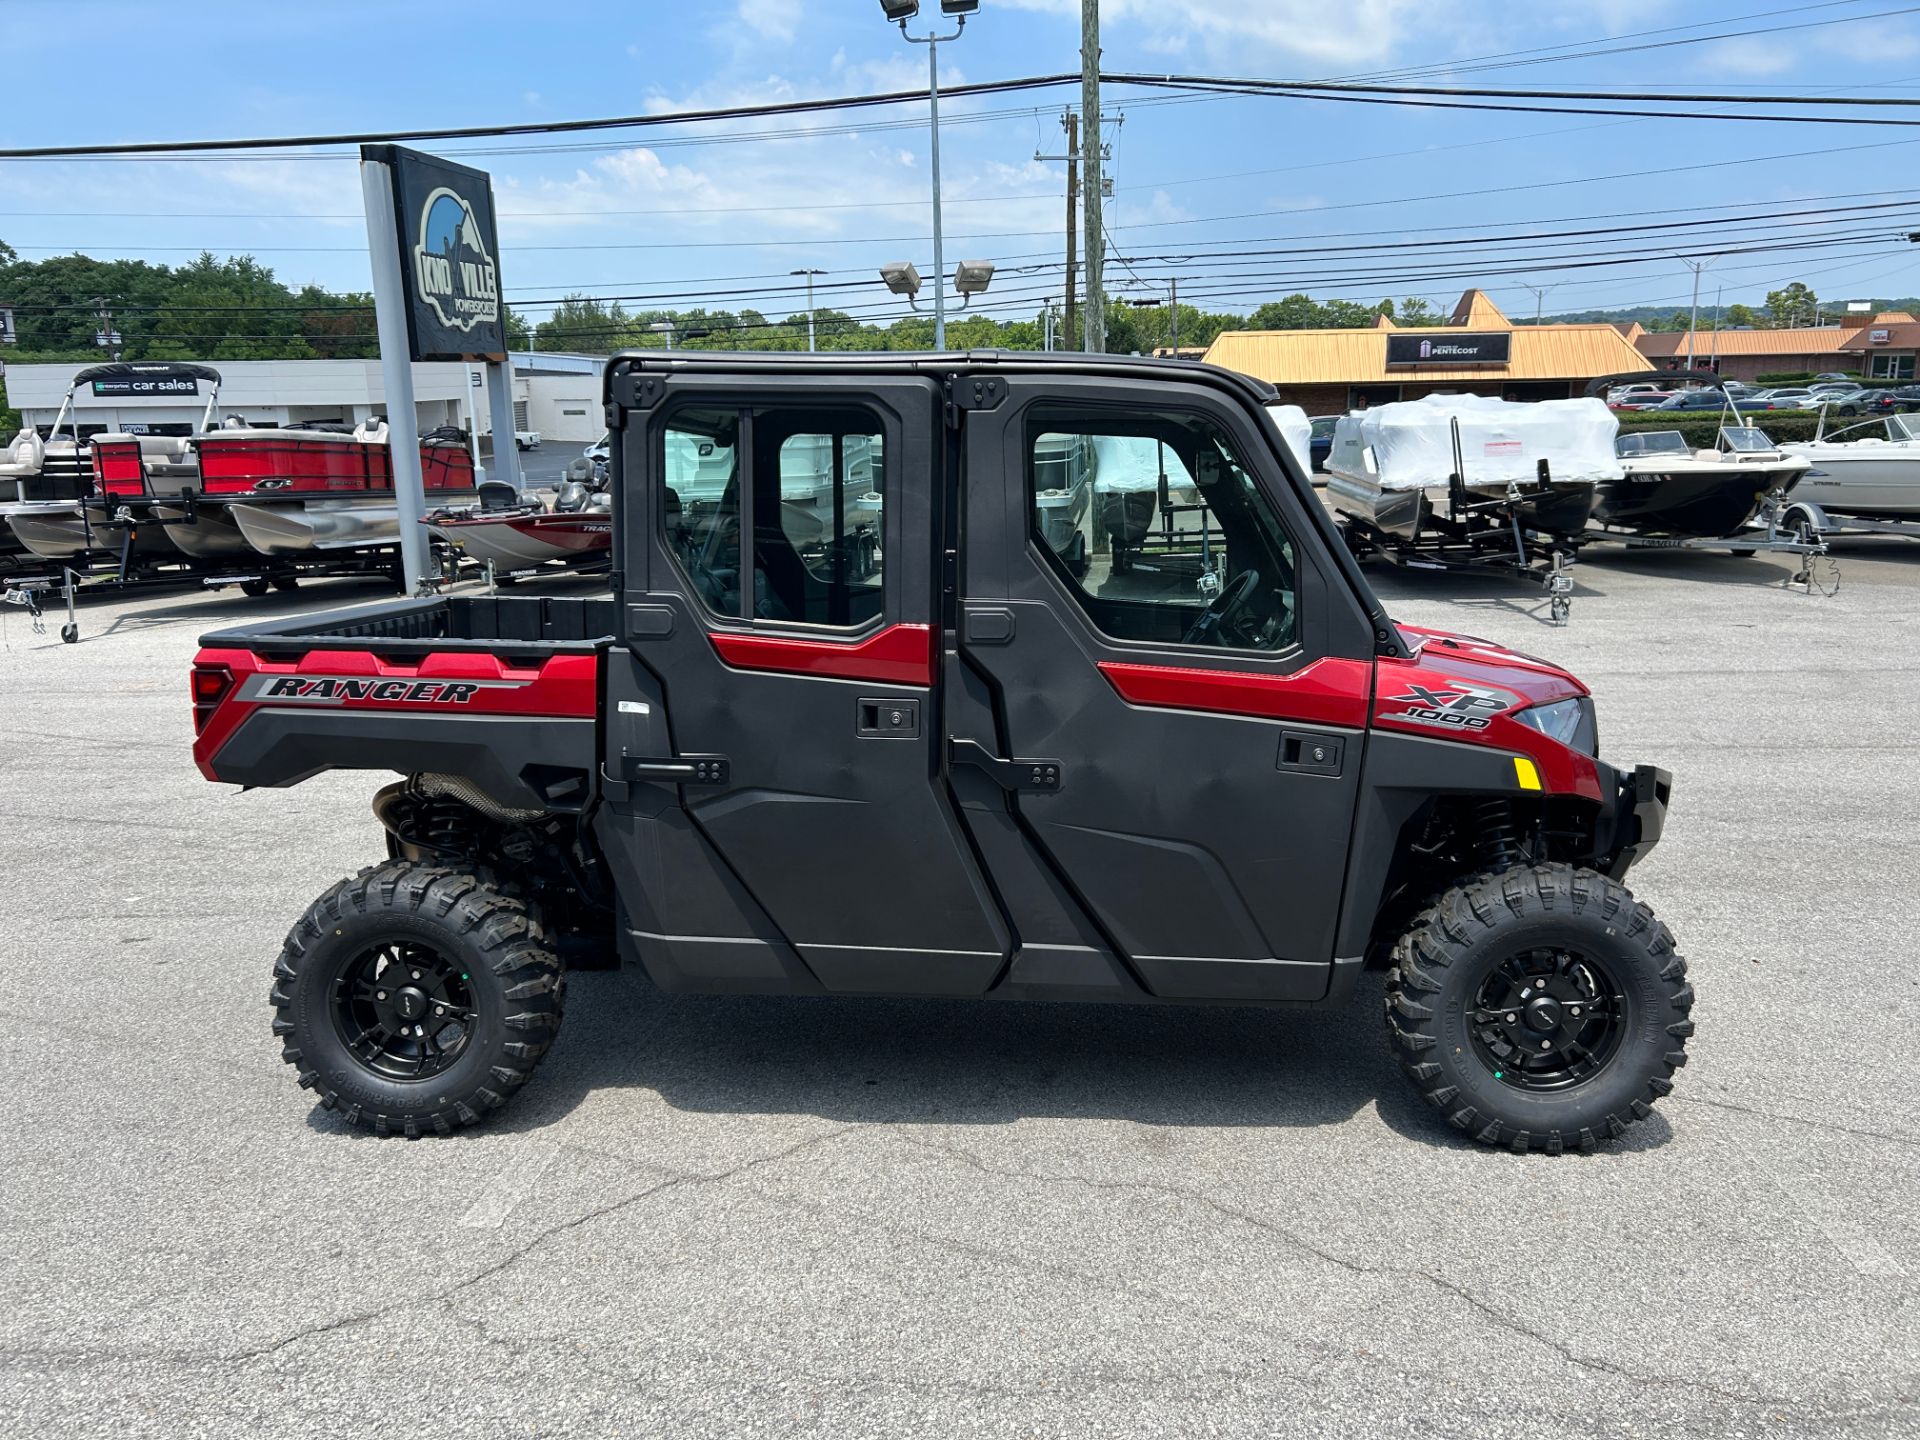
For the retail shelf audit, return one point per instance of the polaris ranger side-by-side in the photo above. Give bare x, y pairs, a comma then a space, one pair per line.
1062, 687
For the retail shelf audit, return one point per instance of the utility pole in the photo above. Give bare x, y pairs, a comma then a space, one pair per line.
1070, 122
1096, 308
809, 274
1693, 323
1173, 285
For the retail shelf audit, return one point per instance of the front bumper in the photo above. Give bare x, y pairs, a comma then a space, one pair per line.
1630, 826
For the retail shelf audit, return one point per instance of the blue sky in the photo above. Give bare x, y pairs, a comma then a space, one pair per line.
683, 209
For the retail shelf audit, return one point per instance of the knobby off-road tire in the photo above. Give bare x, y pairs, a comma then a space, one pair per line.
1585, 952
416, 997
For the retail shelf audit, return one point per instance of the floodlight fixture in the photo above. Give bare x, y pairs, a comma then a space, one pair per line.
898, 12
902, 278
957, 7
971, 277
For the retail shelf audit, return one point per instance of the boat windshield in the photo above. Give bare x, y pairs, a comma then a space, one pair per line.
1903, 426
1651, 442
1745, 440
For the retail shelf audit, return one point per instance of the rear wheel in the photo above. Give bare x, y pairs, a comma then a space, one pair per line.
1539, 1009
255, 588
416, 997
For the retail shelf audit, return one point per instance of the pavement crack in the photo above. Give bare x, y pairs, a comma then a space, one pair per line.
1827, 1125
1354, 1267
533, 1243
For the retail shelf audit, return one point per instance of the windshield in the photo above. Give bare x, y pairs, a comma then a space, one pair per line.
1745, 439
1651, 442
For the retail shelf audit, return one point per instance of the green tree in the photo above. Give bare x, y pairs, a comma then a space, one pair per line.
1414, 311
1791, 306
1296, 312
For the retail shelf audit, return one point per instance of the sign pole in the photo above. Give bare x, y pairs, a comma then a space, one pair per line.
396, 369
506, 463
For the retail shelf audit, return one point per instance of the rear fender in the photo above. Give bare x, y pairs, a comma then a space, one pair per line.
524, 731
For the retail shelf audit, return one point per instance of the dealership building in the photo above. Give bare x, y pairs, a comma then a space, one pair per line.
557, 395
1479, 351
1882, 348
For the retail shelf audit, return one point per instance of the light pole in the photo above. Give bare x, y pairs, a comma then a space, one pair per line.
663, 327
809, 274
1693, 319
900, 12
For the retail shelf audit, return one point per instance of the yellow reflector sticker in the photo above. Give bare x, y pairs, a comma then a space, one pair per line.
1524, 772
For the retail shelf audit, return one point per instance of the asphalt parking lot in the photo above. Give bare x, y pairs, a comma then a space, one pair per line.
726, 1217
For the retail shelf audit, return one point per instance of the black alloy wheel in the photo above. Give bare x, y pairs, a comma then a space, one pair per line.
1541, 1008
416, 997
404, 1010
1548, 1019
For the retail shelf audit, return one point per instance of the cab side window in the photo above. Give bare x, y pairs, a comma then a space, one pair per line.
805, 486
1158, 527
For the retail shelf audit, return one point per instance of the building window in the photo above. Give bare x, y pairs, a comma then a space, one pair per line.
1159, 529
807, 483
1883, 366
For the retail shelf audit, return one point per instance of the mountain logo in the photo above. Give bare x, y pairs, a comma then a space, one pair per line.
452, 270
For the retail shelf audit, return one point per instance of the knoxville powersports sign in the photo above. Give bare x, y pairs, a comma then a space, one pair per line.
1494, 348
449, 255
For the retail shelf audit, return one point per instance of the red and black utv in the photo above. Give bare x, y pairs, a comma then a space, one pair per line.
957, 675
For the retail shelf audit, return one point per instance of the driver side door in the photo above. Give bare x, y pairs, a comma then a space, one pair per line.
1143, 617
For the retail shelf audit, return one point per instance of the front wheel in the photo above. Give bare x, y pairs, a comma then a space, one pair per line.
1540, 1008
416, 997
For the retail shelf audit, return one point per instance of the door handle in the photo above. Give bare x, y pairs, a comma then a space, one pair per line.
1310, 754
1013, 775
673, 770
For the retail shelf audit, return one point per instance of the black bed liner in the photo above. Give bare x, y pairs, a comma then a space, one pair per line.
552, 623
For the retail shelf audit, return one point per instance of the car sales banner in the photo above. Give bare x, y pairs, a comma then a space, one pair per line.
449, 255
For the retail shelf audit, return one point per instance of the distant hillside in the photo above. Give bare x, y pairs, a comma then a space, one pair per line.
1655, 317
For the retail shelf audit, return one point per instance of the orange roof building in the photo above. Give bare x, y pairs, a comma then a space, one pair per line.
1479, 352
1748, 354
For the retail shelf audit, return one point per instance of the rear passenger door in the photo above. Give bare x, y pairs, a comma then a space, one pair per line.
779, 650
1179, 683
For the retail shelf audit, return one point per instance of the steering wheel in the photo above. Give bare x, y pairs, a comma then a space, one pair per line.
1239, 590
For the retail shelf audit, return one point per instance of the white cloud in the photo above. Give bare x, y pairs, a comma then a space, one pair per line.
1356, 31
771, 19
1748, 57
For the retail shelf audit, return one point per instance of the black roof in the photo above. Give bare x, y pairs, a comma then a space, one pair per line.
930, 362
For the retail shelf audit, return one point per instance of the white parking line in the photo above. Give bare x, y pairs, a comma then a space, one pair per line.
527, 1161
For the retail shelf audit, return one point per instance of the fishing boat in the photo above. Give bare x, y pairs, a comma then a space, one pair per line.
1670, 489
1869, 471
1470, 466
576, 526
1667, 489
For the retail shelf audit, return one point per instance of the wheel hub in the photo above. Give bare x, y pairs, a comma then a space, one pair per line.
1547, 1019
1543, 1014
404, 1010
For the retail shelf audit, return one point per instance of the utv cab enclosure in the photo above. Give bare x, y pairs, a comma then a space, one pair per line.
957, 675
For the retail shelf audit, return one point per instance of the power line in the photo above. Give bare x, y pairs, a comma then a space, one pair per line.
544, 127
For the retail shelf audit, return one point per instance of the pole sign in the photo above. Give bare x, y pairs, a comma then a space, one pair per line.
449, 255
1494, 348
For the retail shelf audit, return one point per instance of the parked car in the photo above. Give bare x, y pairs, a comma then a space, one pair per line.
1901, 397
1641, 400
1788, 398
527, 439
1321, 445
600, 449
1850, 400
1835, 376
1693, 400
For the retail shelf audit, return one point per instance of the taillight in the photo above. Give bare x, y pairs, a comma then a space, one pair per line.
211, 685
